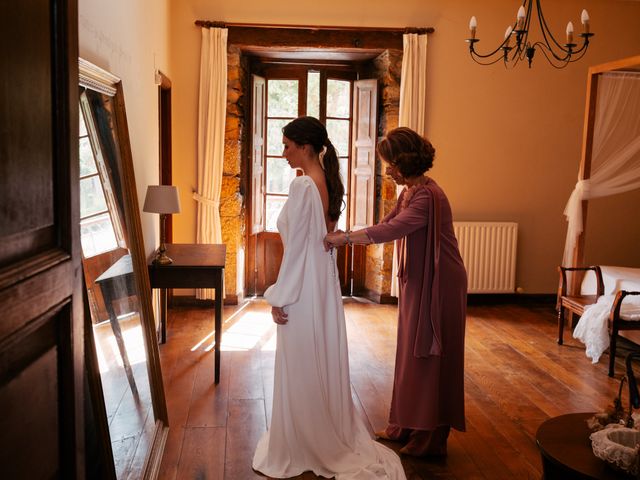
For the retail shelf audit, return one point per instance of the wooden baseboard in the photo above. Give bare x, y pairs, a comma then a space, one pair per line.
383, 299
518, 298
477, 298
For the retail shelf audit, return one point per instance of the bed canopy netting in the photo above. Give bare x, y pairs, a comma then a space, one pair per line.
610, 162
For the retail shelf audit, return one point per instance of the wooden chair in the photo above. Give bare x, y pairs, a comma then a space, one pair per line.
575, 304
617, 323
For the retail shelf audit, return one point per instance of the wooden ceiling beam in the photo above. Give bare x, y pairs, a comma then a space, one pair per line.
283, 36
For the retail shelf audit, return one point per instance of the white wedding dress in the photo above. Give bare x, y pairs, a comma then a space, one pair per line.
314, 425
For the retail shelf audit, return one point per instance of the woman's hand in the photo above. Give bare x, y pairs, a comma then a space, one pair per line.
279, 316
334, 239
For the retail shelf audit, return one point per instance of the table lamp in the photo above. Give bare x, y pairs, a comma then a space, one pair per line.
162, 199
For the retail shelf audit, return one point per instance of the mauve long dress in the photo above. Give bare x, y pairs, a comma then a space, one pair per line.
428, 388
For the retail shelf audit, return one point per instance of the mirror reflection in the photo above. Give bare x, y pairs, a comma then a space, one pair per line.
113, 297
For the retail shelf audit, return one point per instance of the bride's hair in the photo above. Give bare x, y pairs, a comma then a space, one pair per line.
310, 131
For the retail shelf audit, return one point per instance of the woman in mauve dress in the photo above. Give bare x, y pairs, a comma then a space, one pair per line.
428, 388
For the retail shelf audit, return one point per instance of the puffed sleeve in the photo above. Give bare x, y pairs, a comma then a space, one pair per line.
404, 222
287, 288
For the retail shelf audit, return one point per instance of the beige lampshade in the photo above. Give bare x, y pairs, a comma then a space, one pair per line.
162, 199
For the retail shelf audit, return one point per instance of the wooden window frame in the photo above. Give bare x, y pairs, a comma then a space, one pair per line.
105, 181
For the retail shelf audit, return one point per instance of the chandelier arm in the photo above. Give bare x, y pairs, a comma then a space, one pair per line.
581, 54
583, 48
488, 55
553, 58
549, 50
546, 30
475, 59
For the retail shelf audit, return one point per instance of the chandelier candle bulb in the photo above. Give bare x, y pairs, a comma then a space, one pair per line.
569, 33
473, 24
520, 16
507, 35
585, 20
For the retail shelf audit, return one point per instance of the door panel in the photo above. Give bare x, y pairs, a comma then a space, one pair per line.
364, 153
257, 155
269, 256
41, 330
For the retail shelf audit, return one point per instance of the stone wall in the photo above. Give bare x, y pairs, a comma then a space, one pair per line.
387, 68
231, 200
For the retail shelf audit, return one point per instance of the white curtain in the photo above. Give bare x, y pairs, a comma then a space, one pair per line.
615, 160
413, 104
212, 107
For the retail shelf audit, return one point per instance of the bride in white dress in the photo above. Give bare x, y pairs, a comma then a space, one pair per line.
314, 425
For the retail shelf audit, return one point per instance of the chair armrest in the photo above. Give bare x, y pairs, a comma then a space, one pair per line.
562, 287
617, 303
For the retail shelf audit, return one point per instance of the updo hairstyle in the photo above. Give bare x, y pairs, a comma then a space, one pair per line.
410, 153
310, 131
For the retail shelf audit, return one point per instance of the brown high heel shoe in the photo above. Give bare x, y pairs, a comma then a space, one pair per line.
423, 443
393, 433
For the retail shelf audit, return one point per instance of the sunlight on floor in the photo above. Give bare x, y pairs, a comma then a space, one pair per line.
107, 347
247, 331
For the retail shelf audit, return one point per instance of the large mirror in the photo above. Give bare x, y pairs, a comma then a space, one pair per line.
117, 281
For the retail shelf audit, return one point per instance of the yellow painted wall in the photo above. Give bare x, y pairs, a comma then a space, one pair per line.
131, 40
508, 141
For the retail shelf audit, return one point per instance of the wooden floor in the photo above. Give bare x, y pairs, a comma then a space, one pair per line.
130, 416
516, 377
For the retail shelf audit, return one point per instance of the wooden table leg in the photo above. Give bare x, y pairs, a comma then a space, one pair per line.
117, 333
218, 331
163, 315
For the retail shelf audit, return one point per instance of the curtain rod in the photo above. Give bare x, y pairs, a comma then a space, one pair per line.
213, 24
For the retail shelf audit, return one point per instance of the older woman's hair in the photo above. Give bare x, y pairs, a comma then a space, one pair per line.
404, 149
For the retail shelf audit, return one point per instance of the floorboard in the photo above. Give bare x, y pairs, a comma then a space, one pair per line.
516, 377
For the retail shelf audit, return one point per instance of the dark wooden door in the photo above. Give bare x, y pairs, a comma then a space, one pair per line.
164, 134
41, 328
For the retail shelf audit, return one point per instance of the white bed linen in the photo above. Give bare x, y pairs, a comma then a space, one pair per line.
592, 328
614, 278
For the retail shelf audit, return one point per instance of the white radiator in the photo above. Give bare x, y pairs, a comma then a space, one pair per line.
488, 250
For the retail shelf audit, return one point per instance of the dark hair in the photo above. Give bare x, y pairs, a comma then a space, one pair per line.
410, 153
310, 131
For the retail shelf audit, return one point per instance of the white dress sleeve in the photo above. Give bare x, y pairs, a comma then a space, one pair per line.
296, 240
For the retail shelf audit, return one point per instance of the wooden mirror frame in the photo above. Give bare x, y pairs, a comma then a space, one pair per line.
95, 78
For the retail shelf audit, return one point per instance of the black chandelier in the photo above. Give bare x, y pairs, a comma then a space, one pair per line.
559, 55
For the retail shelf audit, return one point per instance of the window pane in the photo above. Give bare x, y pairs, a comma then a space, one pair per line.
274, 205
279, 175
97, 235
83, 127
342, 221
313, 94
338, 100
274, 136
91, 197
282, 100
344, 172
338, 131
87, 163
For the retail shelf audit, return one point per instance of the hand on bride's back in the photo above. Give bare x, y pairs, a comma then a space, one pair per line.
330, 238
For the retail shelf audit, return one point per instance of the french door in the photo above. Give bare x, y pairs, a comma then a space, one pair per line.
281, 95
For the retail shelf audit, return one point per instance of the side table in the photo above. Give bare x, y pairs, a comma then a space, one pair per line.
566, 450
194, 266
